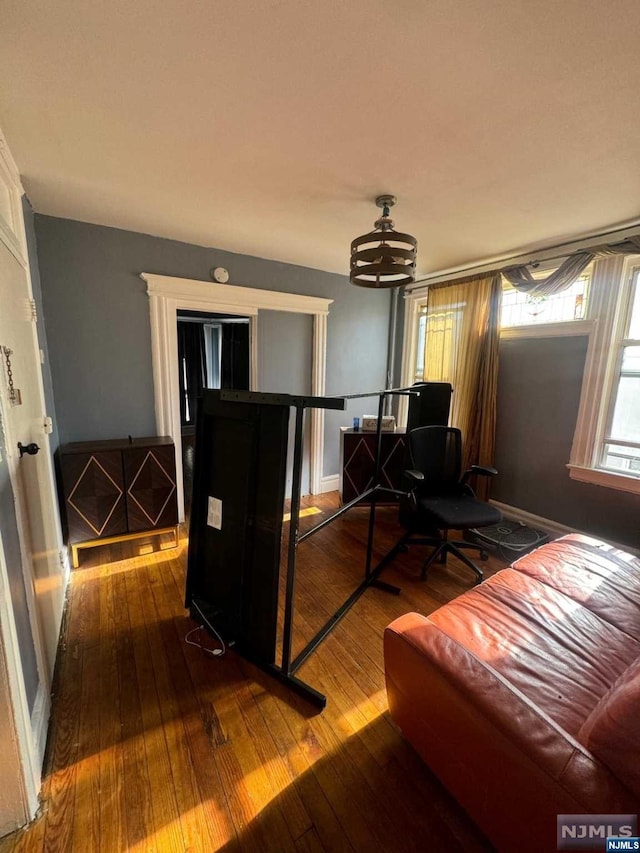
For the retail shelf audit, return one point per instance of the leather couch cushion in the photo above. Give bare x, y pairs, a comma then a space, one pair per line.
597, 575
612, 730
560, 655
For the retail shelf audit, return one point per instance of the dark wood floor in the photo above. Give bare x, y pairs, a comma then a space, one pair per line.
155, 746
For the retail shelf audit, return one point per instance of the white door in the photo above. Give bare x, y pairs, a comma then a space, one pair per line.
31, 477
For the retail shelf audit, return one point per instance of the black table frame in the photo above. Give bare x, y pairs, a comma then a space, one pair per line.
286, 671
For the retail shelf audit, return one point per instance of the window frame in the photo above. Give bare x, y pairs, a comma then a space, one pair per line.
610, 303
560, 328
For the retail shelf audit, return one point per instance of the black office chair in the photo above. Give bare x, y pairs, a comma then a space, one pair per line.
440, 498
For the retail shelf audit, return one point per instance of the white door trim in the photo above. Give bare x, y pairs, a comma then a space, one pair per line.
168, 295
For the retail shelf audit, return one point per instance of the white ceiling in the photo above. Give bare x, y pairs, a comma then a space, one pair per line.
268, 127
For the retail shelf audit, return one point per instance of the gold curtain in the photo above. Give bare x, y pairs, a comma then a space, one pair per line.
461, 347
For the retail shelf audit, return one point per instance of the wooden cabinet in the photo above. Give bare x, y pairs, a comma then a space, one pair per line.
118, 489
357, 461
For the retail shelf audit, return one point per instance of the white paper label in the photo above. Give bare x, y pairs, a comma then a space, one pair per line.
214, 513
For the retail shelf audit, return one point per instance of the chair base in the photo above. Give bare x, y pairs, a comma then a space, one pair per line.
443, 546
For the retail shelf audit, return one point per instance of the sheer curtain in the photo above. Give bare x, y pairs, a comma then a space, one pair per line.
461, 347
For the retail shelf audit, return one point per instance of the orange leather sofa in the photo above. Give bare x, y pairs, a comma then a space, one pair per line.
523, 694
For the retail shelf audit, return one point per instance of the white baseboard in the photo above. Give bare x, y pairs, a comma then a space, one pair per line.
40, 721
553, 528
330, 484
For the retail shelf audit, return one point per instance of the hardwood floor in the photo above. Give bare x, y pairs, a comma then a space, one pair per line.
156, 746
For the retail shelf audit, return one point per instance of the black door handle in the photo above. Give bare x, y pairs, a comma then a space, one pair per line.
31, 449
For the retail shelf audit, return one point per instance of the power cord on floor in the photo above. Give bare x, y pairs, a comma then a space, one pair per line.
214, 652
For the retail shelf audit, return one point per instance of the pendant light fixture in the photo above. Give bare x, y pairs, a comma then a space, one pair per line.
383, 257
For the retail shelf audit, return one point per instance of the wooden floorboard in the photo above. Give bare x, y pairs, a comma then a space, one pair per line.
155, 745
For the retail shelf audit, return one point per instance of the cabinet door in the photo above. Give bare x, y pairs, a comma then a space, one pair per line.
358, 463
150, 481
94, 495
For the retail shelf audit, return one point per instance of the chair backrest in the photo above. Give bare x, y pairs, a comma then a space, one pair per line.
429, 405
436, 451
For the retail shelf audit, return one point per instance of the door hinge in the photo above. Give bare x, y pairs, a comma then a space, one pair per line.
47, 426
34, 310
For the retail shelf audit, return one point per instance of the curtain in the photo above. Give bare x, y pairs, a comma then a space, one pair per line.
192, 369
234, 368
461, 347
559, 280
562, 278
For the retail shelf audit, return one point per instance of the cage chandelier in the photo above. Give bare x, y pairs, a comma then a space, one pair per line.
383, 257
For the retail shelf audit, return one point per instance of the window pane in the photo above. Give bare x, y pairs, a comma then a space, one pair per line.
422, 325
634, 325
626, 412
619, 458
631, 361
522, 309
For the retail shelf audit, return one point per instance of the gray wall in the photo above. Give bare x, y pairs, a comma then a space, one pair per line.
287, 371
97, 320
538, 396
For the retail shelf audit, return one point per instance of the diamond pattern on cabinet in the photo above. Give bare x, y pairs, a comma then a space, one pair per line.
95, 496
358, 453
361, 459
151, 488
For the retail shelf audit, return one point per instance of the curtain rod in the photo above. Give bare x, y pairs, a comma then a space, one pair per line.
546, 254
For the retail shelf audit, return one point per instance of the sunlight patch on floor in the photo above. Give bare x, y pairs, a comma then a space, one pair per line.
362, 714
310, 510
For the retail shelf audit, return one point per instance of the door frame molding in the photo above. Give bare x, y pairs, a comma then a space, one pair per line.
168, 295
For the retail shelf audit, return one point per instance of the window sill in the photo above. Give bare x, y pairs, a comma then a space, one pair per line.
599, 477
548, 330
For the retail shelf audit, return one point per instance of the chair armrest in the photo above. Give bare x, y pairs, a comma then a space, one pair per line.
480, 470
416, 476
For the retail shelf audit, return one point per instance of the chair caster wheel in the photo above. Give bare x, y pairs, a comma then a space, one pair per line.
484, 555
403, 549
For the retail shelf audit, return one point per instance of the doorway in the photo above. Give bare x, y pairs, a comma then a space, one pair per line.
214, 351
168, 295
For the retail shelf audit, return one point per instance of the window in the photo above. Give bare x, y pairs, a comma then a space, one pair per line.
620, 446
213, 353
444, 329
606, 447
603, 304
524, 309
